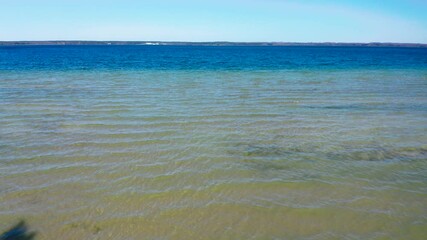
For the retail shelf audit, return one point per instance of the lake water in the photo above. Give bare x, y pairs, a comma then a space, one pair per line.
168, 142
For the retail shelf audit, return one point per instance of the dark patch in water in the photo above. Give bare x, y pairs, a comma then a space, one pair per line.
267, 153
380, 154
363, 155
265, 157
263, 150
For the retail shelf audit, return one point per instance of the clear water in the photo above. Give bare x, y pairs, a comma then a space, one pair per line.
163, 142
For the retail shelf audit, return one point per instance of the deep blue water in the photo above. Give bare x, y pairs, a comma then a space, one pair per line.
207, 58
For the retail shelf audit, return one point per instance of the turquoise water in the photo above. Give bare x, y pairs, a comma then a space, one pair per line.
140, 142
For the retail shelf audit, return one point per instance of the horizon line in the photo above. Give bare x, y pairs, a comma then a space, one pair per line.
212, 43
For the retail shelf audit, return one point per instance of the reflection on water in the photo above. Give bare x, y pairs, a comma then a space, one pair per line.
321, 154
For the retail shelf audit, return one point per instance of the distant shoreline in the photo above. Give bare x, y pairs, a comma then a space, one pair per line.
177, 43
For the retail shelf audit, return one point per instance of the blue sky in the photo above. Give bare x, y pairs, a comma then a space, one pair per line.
215, 20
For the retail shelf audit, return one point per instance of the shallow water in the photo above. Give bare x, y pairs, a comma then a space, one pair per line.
266, 149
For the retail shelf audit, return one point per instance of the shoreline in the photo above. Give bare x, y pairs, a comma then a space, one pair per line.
214, 43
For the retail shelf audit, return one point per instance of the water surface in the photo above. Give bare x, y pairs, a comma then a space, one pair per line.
166, 142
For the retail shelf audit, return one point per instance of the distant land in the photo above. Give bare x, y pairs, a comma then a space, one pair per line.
176, 43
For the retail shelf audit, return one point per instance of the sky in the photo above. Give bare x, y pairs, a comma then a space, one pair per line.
215, 20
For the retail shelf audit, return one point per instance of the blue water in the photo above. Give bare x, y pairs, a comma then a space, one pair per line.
169, 142
16, 58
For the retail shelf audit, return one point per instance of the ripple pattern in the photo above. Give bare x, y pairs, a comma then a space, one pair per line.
215, 154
